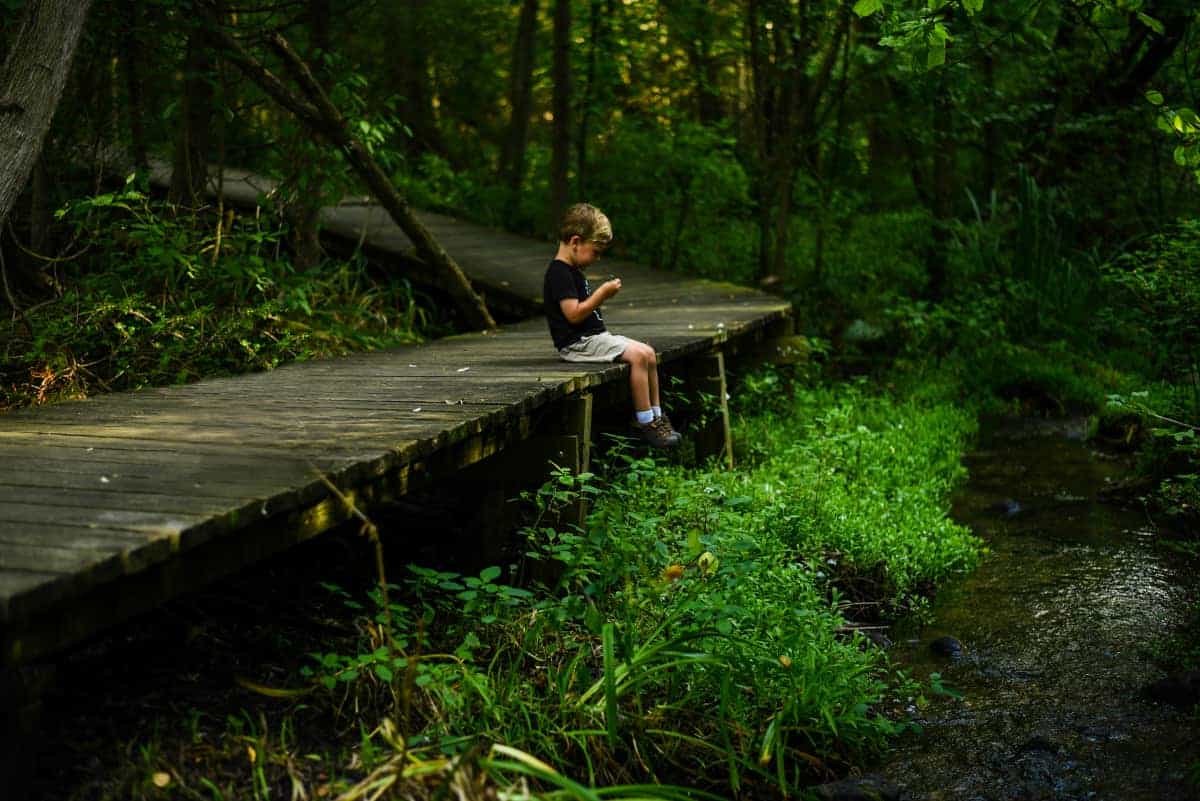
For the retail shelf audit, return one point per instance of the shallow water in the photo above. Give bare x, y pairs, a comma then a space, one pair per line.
1054, 625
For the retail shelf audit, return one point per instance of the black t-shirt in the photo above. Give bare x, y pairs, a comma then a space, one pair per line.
564, 281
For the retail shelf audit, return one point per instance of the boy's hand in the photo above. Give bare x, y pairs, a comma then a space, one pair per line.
611, 287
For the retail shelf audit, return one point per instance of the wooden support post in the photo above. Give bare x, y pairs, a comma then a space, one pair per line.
714, 437
579, 425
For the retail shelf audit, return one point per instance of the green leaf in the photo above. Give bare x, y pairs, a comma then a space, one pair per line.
608, 636
973, 6
490, 573
935, 56
383, 672
865, 8
1155, 98
935, 42
1151, 23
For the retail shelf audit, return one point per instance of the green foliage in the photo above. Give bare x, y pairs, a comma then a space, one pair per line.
1182, 125
685, 207
698, 615
161, 298
1156, 308
868, 258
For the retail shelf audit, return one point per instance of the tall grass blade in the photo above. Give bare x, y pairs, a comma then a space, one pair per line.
610, 683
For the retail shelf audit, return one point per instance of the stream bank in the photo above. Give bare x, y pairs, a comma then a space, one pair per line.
1054, 628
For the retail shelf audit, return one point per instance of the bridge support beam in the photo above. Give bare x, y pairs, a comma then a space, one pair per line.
708, 393
561, 438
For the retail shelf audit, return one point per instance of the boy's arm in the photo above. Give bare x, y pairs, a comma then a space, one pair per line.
576, 310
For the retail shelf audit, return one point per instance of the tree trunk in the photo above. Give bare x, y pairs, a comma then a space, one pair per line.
415, 89
943, 189
319, 15
189, 172
303, 207
31, 83
315, 110
522, 102
41, 214
131, 61
561, 145
991, 134
587, 101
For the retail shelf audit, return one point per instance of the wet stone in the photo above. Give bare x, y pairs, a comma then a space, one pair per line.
1040, 742
948, 647
1181, 689
868, 788
1006, 508
878, 639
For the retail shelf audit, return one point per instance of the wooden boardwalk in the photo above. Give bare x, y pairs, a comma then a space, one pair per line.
113, 504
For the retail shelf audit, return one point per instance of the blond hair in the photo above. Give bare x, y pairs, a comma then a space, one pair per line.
586, 222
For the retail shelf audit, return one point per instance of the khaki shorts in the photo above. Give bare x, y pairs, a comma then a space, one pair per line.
603, 347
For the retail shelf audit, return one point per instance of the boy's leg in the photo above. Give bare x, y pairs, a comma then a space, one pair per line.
652, 381
643, 380
639, 375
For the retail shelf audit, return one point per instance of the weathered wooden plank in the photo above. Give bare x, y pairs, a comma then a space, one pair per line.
77, 561
91, 537
151, 522
15, 582
52, 499
114, 482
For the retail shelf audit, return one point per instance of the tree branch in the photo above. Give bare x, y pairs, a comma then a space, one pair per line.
318, 112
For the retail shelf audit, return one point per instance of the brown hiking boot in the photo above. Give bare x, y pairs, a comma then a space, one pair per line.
658, 433
667, 422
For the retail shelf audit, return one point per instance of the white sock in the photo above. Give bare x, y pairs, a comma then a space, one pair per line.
657, 411
644, 417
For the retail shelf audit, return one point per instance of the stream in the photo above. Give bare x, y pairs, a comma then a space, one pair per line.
1054, 627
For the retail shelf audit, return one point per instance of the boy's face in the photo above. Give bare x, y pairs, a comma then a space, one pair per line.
584, 253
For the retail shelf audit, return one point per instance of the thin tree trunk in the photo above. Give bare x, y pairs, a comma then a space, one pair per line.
189, 172
131, 60
31, 83
943, 167
315, 110
303, 209
826, 180
41, 215
561, 144
521, 100
991, 137
412, 68
709, 108
319, 16
589, 97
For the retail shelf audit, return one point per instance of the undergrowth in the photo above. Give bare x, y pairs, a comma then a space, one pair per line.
158, 295
696, 632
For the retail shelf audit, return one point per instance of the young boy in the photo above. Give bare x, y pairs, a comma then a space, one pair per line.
578, 330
